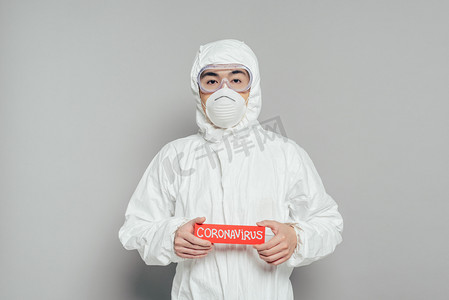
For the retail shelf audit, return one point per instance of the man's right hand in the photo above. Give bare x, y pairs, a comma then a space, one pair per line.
189, 246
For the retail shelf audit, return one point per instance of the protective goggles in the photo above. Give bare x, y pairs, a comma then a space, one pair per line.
211, 78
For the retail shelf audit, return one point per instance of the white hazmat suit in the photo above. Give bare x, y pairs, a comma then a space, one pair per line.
235, 176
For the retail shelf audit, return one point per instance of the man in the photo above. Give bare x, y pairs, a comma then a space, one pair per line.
231, 172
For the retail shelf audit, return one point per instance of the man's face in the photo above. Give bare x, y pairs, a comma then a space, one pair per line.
212, 79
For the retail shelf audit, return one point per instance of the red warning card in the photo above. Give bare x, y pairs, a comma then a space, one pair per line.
231, 234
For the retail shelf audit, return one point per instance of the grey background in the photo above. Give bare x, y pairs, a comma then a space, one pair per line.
91, 90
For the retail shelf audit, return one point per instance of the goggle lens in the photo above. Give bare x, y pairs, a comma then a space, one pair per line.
213, 77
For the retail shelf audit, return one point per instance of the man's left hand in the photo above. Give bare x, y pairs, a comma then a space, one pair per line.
281, 246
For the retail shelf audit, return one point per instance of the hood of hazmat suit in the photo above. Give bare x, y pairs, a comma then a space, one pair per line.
224, 52
236, 176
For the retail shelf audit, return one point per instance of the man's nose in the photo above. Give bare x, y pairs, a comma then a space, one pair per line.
225, 85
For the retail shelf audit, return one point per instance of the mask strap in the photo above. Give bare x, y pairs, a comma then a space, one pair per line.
203, 106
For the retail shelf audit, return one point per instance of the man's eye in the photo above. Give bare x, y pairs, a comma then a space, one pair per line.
213, 81
236, 81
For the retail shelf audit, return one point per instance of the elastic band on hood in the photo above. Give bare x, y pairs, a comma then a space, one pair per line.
226, 52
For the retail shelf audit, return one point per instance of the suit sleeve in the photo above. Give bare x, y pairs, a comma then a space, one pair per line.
314, 213
150, 224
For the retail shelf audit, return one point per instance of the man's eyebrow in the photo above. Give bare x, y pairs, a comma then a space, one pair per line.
208, 74
238, 72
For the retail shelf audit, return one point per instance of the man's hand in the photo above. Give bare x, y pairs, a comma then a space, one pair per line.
281, 246
189, 246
